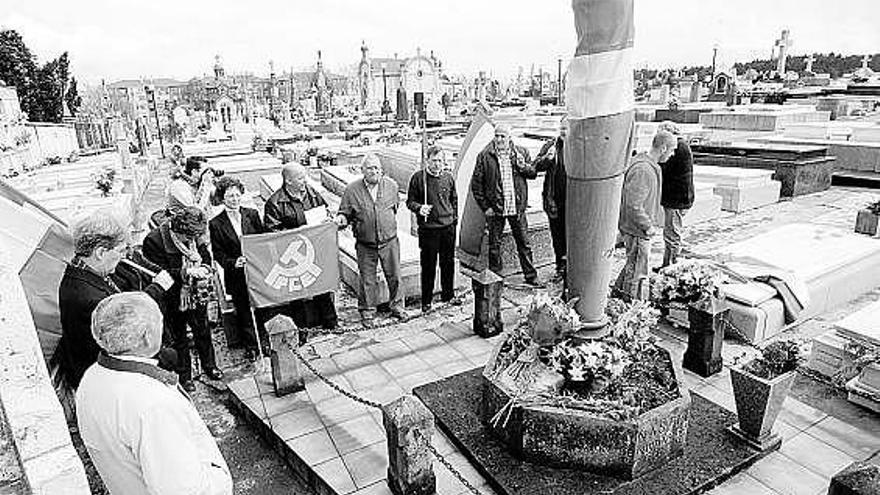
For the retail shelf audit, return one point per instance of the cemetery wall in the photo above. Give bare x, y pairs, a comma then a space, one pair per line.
31, 143
34, 417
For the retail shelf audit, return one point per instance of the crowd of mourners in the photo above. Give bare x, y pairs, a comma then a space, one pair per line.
130, 317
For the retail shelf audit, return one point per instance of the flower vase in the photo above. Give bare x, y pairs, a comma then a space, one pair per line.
705, 337
758, 403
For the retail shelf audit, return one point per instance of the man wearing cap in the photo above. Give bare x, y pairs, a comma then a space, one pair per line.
677, 193
500, 189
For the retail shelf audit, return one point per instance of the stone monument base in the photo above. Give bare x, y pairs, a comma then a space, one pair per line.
710, 454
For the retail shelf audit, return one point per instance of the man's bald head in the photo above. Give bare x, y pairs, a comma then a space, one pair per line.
294, 177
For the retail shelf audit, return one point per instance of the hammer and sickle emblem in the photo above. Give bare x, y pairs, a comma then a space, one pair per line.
296, 268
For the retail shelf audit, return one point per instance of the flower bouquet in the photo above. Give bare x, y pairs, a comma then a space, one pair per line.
104, 181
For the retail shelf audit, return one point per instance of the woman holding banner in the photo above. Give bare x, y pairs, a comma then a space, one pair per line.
226, 229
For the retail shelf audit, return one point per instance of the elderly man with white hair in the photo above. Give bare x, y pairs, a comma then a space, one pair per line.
140, 428
369, 206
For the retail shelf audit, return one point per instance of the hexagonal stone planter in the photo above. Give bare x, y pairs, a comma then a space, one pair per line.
575, 439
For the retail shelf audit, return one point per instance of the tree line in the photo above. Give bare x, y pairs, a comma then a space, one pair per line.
834, 64
40, 87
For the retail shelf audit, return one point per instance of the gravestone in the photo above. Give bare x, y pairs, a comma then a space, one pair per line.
801, 169
863, 327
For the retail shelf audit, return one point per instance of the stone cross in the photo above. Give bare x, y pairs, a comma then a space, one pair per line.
810, 61
865, 60
287, 376
784, 42
409, 427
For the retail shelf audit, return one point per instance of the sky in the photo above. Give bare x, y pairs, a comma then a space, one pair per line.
116, 39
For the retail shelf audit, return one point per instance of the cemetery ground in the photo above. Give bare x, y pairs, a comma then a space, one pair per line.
344, 442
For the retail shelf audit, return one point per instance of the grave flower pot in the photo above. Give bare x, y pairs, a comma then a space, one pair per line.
866, 222
705, 338
758, 402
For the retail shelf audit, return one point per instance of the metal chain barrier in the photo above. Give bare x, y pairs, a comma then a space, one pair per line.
332, 384
454, 471
369, 403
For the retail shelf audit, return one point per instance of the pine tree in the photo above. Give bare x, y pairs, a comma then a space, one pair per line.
40, 89
18, 67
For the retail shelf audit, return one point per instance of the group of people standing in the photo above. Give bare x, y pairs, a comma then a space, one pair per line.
125, 314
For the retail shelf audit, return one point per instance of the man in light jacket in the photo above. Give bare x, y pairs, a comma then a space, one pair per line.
369, 206
641, 214
140, 428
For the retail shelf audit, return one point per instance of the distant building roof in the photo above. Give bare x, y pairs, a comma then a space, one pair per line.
162, 82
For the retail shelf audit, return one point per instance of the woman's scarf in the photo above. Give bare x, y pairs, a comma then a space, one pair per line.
191, 259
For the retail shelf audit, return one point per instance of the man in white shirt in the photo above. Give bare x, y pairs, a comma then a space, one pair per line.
139, 426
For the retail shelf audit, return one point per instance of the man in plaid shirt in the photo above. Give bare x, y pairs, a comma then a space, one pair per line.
500, 189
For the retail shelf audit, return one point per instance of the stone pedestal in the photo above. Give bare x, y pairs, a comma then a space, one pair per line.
705, 337
409, 426
830, 354
859, 478
286, 373
865, 388
487, 303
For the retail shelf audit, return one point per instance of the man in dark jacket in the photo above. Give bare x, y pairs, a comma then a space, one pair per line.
551, 161
286, 209
432, 197
100, 241
369, 206
500, 189
677, 194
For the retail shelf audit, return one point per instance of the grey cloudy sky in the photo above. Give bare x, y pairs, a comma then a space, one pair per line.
115, 39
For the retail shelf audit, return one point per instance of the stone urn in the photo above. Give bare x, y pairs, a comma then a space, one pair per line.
571, 438
705, 337
758, 402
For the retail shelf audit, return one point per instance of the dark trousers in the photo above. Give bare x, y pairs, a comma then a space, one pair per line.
518, 227
557, 235
198, 322
434, 244
368, 259
244, 322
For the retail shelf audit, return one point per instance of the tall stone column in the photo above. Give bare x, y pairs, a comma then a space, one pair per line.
599, 100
